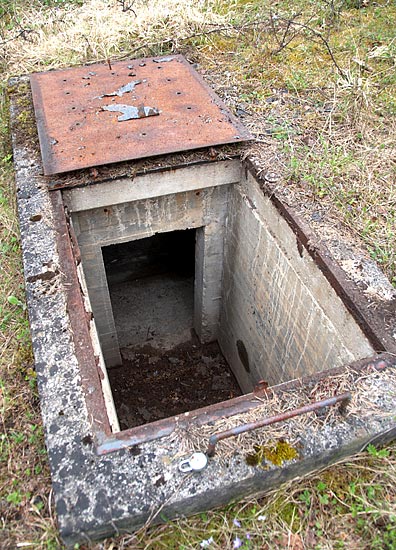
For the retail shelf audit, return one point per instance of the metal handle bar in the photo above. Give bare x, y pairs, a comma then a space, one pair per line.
343, 398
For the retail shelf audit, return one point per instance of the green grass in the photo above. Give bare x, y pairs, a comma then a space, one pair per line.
348, 165
346, 506
336, 137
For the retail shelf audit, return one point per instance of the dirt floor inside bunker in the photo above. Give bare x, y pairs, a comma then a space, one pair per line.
152, 384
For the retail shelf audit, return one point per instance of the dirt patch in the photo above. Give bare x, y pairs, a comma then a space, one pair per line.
152, 384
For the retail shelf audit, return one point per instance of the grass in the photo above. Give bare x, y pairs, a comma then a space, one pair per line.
347, 506
320, 91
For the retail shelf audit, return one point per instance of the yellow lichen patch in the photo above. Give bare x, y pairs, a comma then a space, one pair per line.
276, 454
27, 123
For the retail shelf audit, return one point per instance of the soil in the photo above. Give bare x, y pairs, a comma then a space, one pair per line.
152, 384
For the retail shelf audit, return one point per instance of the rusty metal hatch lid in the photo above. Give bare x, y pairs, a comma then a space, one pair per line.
101, 114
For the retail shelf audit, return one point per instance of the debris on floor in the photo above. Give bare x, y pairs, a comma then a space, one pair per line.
153, 384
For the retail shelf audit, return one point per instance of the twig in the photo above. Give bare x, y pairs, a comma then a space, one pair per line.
22, 33
127, 5
318, 35
282, 43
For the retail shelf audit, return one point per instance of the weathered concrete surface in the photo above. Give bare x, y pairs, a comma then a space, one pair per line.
101, 495
152, 185
374, 312
209, 253
98, 356
280, 318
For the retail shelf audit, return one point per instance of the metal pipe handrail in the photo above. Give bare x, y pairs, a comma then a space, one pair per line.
343, 398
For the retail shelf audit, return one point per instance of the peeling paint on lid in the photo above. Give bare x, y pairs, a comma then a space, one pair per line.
129, 87
130, 112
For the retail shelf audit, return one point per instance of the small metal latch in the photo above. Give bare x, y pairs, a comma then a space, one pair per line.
195, 463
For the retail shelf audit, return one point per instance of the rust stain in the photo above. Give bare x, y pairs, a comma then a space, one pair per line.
261, 388
78, 113
79, 320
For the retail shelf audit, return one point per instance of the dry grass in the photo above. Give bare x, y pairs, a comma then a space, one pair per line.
361, 406
331, 138
297, 102
99, 30
350, 506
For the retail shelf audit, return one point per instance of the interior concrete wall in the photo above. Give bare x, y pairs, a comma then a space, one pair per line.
280, 317
274, 313
153, 184
205, 208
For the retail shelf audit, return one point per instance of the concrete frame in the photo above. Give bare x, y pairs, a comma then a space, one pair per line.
186, 206
106, 483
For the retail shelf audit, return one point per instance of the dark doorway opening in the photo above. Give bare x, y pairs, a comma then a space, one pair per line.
151, 284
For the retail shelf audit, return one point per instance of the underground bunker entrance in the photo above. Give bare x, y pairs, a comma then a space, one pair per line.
165, 369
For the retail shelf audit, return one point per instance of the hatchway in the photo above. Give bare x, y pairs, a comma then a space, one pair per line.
265, 289
257, 292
